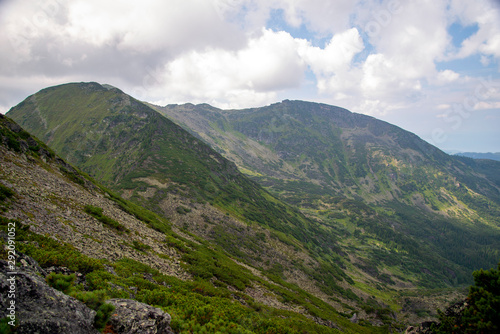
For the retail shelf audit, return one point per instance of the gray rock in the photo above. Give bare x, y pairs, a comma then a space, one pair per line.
14, 127
40, 308
423, 328
133, 317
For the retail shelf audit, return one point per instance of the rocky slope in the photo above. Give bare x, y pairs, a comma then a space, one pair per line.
65, 219
51, 204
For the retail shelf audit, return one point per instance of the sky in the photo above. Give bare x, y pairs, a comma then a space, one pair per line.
431, 67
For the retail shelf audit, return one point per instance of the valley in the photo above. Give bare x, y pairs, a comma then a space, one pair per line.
297, 210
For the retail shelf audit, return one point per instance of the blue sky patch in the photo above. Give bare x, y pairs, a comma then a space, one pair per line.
460, 33
470, 66
277, 22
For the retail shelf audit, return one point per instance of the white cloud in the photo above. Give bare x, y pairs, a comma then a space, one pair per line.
149, 33
443, 106
415, 37
268, 63
483, 105
484, 13
446, 77
336, 56
408, 39
380, 57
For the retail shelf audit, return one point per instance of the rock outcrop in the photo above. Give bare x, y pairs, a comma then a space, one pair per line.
133, 317
40, 308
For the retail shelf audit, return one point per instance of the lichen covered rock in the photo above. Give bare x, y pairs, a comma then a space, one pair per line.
40, 308
133, 317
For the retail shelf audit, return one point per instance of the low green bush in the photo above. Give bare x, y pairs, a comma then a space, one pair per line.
6, 328
5, 192
140, 246
182, 210
96, 301
73, 176
61, 282
96, 212
93, 299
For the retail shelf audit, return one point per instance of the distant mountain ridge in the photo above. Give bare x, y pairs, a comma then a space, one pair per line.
477, 155
317, 142
335, 165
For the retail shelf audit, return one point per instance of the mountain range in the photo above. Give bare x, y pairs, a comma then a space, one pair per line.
338, 207
74, 235
477, 155
362, 177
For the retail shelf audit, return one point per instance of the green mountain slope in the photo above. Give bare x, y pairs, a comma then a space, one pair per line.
63, 218
135, 150
382, 212
402, 205
149, 160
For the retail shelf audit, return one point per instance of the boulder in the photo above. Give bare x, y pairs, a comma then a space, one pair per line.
44, 310
27, 263
40, 308
423, 328
133, 317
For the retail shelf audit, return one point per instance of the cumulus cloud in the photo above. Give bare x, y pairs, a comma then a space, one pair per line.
446, 77
268, 63
79, 35
336, 56
483, 105
484, 14
407, 41
371, 56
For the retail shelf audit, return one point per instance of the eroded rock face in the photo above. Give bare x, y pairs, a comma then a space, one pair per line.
133, 317
40, 308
